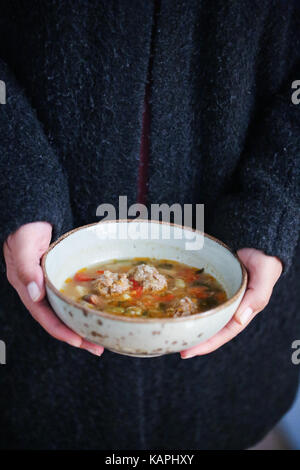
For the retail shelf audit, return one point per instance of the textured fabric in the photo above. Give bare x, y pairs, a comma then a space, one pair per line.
144, 151
224, 132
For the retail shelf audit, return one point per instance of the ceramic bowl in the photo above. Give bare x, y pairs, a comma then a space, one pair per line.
142, 337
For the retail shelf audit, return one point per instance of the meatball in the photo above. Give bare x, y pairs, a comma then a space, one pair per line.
110, 283
184, 307
149, 277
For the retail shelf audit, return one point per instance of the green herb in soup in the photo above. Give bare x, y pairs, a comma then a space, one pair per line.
145, 287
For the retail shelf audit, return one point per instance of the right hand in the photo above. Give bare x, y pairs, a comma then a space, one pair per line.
23, 251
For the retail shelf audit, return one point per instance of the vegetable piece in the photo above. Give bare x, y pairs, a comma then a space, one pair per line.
137, 292
126, 296
162, 306
86, 304
199, 283
115, 309
133, 311
94, 300
179, 283
149, 301
208, 303
165, 266
83, 277
137, 288
81, 290
164, 298
135, 284
200, 292
188, 275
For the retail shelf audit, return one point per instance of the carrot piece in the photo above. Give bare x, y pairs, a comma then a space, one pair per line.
164, 298
82, 277
100, 272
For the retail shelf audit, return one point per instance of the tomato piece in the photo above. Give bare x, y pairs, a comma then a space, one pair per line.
100, 272
135, 284
137, 292
83, 277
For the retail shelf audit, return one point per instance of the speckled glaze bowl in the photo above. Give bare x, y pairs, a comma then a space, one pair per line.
141, 337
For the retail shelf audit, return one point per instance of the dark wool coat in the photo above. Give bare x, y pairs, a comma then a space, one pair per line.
224, 132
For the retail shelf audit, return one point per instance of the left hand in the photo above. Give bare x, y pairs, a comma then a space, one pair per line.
263, 271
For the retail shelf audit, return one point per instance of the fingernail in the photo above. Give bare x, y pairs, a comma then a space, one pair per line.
75, 342
93, 351
188, 356
33, 291
245, 315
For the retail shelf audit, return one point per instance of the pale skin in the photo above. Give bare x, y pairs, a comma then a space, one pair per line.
24, 249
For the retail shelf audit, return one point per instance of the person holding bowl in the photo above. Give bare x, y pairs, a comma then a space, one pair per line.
165, 103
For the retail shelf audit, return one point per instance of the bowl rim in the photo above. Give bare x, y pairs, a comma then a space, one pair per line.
91, 311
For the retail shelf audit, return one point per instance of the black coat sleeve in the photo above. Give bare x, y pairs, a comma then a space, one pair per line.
33, 186
262, 211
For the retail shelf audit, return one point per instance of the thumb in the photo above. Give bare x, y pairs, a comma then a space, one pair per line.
36, 288
30, 273
262, 279
25, 249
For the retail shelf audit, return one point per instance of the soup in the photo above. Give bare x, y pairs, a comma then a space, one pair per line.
145, 287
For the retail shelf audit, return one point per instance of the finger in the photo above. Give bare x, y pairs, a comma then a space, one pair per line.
232, 329
30, 274
23, 251
92, 347
262, 278
45, 316
27, 269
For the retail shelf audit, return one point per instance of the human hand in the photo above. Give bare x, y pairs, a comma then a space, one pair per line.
263, 271
23, 251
